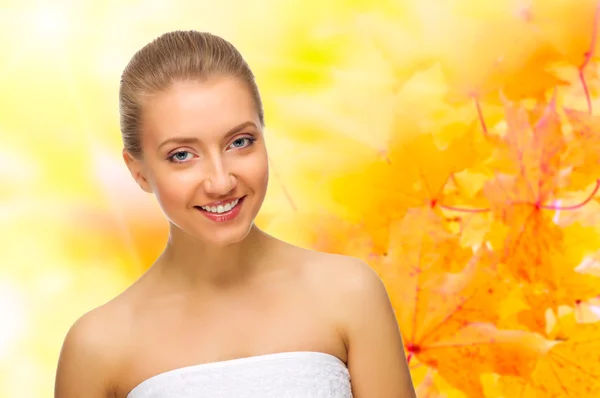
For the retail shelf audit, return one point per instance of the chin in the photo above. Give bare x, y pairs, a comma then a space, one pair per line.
219, 235
225, 238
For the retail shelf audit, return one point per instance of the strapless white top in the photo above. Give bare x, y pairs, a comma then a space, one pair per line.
302, 374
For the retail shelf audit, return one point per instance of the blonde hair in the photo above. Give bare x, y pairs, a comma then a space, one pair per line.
178, 55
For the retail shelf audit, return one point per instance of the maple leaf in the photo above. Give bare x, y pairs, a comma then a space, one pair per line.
570, 285
550, 279
518, 200
430, 384
505, 50
571, 27
539, 255
414, 266
446, 317
591, 263
588, 311
415, 175
397, 37
570, 369
565, 322
394, 155
423, 240
534, 146
542, 257
323, 232
427, 388
477, 349
583, 149
532, 245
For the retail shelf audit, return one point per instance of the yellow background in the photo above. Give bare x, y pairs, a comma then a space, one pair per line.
76, 230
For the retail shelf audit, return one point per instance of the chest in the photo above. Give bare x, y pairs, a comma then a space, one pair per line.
172, 335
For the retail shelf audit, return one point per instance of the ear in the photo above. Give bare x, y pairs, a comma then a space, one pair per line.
136, 168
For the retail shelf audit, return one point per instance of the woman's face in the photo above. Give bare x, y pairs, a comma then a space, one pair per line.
204, 152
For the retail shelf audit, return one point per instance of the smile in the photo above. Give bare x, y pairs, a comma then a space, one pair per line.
220, 209
223, 213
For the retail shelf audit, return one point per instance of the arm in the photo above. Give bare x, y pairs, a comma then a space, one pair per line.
376, 359
83, 366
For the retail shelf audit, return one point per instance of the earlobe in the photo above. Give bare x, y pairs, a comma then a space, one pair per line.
143, 183
136, 169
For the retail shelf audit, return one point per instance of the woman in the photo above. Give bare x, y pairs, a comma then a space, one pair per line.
226, 310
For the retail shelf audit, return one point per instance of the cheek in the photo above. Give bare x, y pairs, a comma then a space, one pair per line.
265, 173
258, 169
173, 189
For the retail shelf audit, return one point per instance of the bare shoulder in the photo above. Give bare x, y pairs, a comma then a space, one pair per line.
376, 357
347, 285
91, 353
348, 276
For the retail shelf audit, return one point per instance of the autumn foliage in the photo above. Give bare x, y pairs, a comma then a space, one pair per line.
471, 186
454, 145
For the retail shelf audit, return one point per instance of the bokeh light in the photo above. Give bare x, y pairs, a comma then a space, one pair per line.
349, 88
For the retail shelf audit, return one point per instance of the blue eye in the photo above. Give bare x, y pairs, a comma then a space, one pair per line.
239, 142
179, 157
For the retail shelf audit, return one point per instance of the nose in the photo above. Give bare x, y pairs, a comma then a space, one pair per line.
219, 181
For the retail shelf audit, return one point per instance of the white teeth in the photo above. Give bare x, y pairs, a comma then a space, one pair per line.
221, 208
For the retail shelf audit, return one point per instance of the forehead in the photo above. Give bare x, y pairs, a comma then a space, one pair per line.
202, 109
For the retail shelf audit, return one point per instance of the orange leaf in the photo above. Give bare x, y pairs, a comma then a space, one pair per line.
583, 151
537, 253
518, 200
567, 25
534, 151
438, 311
563, 324
529, 242
414, 174
569, 369
423, 241
431, 302
481, 348
504, 49
427, 388
322, 232
430, 384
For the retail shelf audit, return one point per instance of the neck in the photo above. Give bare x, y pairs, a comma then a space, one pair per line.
190, 263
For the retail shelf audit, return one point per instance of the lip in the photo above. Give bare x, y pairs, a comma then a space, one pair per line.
224, 217
222, 202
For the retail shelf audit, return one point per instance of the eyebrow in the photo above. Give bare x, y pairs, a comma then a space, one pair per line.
192, 140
